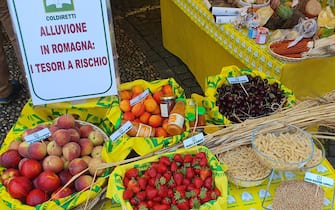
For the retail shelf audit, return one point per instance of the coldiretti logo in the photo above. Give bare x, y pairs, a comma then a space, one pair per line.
58, 5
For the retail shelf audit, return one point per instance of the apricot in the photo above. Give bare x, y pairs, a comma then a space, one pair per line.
136, 90
138, 109
150, 105
125, 95
157, 96
161, 132
144, 118
157, 110
125, 105
128, 116
155, 121
167, 90
165, 124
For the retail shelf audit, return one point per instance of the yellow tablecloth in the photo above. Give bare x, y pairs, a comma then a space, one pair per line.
190, 33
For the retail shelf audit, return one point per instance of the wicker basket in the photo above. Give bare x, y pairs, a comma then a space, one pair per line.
284, 58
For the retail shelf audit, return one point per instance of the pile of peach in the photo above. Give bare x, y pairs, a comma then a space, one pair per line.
42, 170
146, 111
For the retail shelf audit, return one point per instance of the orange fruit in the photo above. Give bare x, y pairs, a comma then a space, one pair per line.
136, 90
160, 132
125, 95
144, 118
150, 105
155, 121
167, 90
128, 116
138, 109
165, 124
125, 105
157, 96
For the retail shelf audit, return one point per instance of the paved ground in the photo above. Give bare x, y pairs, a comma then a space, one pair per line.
141, 56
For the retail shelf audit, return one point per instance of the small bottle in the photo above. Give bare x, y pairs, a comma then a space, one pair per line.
201, 116
140, 130
176, 119
166, 105
191, 119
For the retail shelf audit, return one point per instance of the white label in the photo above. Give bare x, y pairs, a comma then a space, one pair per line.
225, 11
236, 80
319, 180
224, 19
164, 110
176, 119
139, 97
38, 136
194, 140
121, 131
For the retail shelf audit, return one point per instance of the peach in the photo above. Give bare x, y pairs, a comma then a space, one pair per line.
77, 165
128, 116
125, 105
85, 130
71, 150
65, 176
150, 105
136, 90
14, 145
36, 196
54, 149
37, 150
93, 166
10, 159
52, 128
61, 193
138, 109
155, 121
74, 134
23, 149
96, 137
83, 182
65, 121
31, 168
157, 96
19, 187
8, 174
61, 136
125, 95
96, 152
86, 146
53, 163
165, 124
86, 158
144, 118
167, 90
157, 110
66, 162
160, 132
48, 181
21, 162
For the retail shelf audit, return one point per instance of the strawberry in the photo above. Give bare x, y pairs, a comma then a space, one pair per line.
186, 182
161, 168
178, 178
141, 195
152, 182
132, 173
165, 160
194, 203
208, 183
189, 173
152, 172
188, 158
161, 207
151, 193
133, 201
157, 199
167, 201
204, 173
143, 205
125, 181
178, 158
142, 182
127, 194
217, 191
198, 182
200, 155
133, 185
173, 167
203, 162
167, 176
183, 204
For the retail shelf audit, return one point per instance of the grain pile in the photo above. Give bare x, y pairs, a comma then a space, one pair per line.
298, 195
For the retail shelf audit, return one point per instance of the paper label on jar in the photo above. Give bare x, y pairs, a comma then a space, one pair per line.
37, 136
121, 131
144, 130
139, 98
176, 119
164, 110
194, 140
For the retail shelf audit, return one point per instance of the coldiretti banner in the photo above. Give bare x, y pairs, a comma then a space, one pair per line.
66, 47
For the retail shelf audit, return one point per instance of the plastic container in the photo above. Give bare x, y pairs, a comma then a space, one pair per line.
247, 183
282, 137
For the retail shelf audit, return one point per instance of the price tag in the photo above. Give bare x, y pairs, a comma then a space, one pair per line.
237, 80
194, 140
38, 136
139, 97
319, 180
121, 131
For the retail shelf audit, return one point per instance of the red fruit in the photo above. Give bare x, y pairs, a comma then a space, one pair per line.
178, 158
183, 205
8, 174
189, 173
142, 182
125, 181
61, 193
19, 187
141, 195
133, 185
10, 159
151, 193
161, 207
167, 176
166, 201
132, 173
204, 173
161, 168
178, 178
200, 155
152, 172
208, 183
36, 196
127, 194
188, 158
65, 177
31, 168
217, 191
203, 162
173, 167
165, 160
194, 203
48, 181
66, 121
198, 182
186, 181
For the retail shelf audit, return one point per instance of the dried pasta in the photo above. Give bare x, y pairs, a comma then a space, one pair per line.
284, 148
243, 164
316, 159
